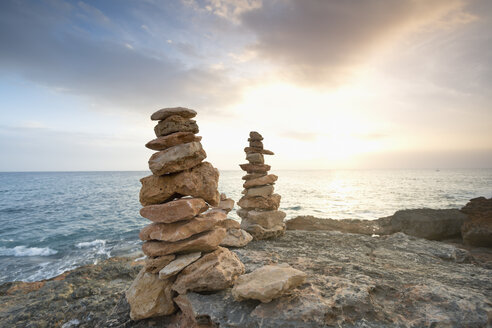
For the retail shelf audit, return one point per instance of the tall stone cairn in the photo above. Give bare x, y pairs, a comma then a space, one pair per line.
259, 205
182, 241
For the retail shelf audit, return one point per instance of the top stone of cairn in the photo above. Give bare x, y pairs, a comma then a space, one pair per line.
255, 136
164, 113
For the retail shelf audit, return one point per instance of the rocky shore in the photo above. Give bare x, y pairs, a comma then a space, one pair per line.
354, 280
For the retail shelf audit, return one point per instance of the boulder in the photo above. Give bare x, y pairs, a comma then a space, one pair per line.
255, 168
267, 219
150, 296
251, 176
171, 140
164, 113
181, 262
256, 144
429, 223
175, 123
380, 226
261, 181
214, 271
172, 232
229, 224
202, 242
261, 191
271, 202
155, 264
477, 228
259, 233
177, 210
236, 238
255, 158
177, 158
200, 181
248, 150
253, 135
268, 282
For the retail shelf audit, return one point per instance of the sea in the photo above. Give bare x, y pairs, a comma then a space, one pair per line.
51, 222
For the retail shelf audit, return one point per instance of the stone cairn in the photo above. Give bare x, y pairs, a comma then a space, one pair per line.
259, 205
182, 242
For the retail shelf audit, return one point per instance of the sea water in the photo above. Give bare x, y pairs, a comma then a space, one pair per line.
57, 221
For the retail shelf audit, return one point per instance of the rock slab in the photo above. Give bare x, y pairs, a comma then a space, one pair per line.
477, 229
177, 158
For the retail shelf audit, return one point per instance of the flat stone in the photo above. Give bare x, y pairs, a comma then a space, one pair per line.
150, 296
200, 181
155, 264
164, 113
177, 158
255, 168
267, 219
181, 262
226, 205
175, 123
261, 191
252, 176
261, 181
268, 282
214, 271
229, 224
236, 238
260, 233
248, 150
271, 202
256, 144
171, 140
177, 210
253, 135
172, 232
202, 242
477, 228
255, 158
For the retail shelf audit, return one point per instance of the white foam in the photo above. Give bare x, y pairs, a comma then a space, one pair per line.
27, 251
94, 243
71, 323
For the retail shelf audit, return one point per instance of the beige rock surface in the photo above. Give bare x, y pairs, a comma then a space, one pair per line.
271, 202
176, 210
255, 168
164, 113
181, 262
175, 123
177, 158
255, 158
171, 140
226, 205
268, 282
150, 296
155, 264
200, 181
214, 271
252, 176
261, 191
261, 181
236, 238
229, 224
203, 242
259, 233
267, 219
258, 150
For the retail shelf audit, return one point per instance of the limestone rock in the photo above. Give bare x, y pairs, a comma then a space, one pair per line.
256, 144
175, 123
172, 232
255, 168
252, 176
177, 210
236, 238
261, 181
155, 264
181, 262
477, 229
150, 296
229, 224
177, 158
164, 113
253, 135
267, 219
203, 242
171, 140
248, 150
271, 202
380, 226
261, 191
226, 205
200, 181
214, 271
259, 233
268, 282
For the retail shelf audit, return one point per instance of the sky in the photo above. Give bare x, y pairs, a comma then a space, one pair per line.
330, 84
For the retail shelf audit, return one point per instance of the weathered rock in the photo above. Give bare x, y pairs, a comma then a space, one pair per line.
477, 228
150, 296
261, 181
271, 202
268, 282
255, 158
229, 224
203, 242
164, 113
214, 271
380, 226
226, 205
261, 191
155, 264
428, 223
173, 232
236, 238
171, 140
256, 144
255, 168
175, 123
253, 176
177, 158
177, 210
200, 181
258, 150
181, 262
267, 219
253, 135
259, 233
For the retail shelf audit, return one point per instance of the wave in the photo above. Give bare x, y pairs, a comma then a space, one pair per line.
27, 251
293, 208
94, 243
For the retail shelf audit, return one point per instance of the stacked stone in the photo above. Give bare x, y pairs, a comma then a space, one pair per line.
259, 205
182, 242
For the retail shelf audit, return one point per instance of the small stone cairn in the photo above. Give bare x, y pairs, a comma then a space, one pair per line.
259, 205
182, 242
